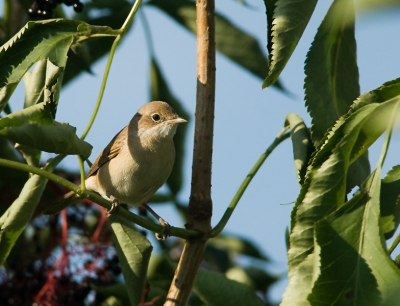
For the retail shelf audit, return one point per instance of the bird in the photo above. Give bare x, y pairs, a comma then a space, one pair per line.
136, 162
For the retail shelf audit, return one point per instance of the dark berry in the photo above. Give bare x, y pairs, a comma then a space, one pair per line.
69, 2
33, 10
78, 7
47, 14
51, 4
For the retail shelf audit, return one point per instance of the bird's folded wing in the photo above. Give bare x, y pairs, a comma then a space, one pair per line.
109, 152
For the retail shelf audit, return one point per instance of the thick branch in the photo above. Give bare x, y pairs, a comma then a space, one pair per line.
200, 205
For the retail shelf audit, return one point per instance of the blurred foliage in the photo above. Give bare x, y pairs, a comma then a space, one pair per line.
337, 251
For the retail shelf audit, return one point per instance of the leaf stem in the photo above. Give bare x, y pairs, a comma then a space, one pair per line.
225, 218
394, 244
122, 31
175, 231
82, 171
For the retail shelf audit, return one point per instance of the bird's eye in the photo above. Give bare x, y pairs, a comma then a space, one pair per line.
155, 117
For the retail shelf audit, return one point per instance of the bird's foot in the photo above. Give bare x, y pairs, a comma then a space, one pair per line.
114, 206
166, 230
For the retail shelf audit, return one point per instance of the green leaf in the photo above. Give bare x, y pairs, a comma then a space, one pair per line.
252, 276
215, 288
390, 202
35, 127
237, 245
159, 91
302, 144
290, 19
365, 275
117, 291
35, 41
234, 43
331, 83
5, 95
344, 275
300, 283
43, 84
134, 252
270, 7
17, 216
324, 188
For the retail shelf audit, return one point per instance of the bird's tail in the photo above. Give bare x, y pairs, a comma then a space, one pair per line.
68, 199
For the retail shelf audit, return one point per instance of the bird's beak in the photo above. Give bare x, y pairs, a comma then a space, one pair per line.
176, 121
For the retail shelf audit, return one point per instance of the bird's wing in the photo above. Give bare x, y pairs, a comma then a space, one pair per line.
109, 152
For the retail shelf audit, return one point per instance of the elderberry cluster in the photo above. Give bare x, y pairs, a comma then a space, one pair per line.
43, 9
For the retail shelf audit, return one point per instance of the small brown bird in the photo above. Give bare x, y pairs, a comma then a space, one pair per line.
136, 163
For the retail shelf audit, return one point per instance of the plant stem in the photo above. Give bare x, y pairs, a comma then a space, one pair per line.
200, 204
178, 232
394, 244
225, 218
122, 31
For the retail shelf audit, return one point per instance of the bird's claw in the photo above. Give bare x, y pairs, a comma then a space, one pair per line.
166, 230
114, 208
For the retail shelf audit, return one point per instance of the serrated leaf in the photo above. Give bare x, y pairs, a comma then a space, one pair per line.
270, 7
365, 275
17, 216
344, 275
302, 144
238, 245
36, 40
43, 84
216, 289
390, 202
325, 185
159, 91
134, 252
331, 83
35, 127
290, 19
231, 41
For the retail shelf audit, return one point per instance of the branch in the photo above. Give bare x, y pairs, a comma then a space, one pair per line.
175, 231
200, 204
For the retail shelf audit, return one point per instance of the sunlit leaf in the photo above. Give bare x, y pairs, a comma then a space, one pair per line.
331, 83
35, 127
324, 189
302, 144
290, 19
43, 84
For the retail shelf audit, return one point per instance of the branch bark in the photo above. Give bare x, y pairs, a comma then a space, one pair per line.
200, 204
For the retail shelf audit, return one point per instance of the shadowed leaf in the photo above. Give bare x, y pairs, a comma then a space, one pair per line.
215, 288
134, 252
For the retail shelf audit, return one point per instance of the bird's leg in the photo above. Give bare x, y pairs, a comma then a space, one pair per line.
114, 206
167, 228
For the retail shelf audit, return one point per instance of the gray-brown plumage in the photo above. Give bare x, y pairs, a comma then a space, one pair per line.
137, 161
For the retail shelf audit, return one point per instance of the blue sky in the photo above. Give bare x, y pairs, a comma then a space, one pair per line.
247, 118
